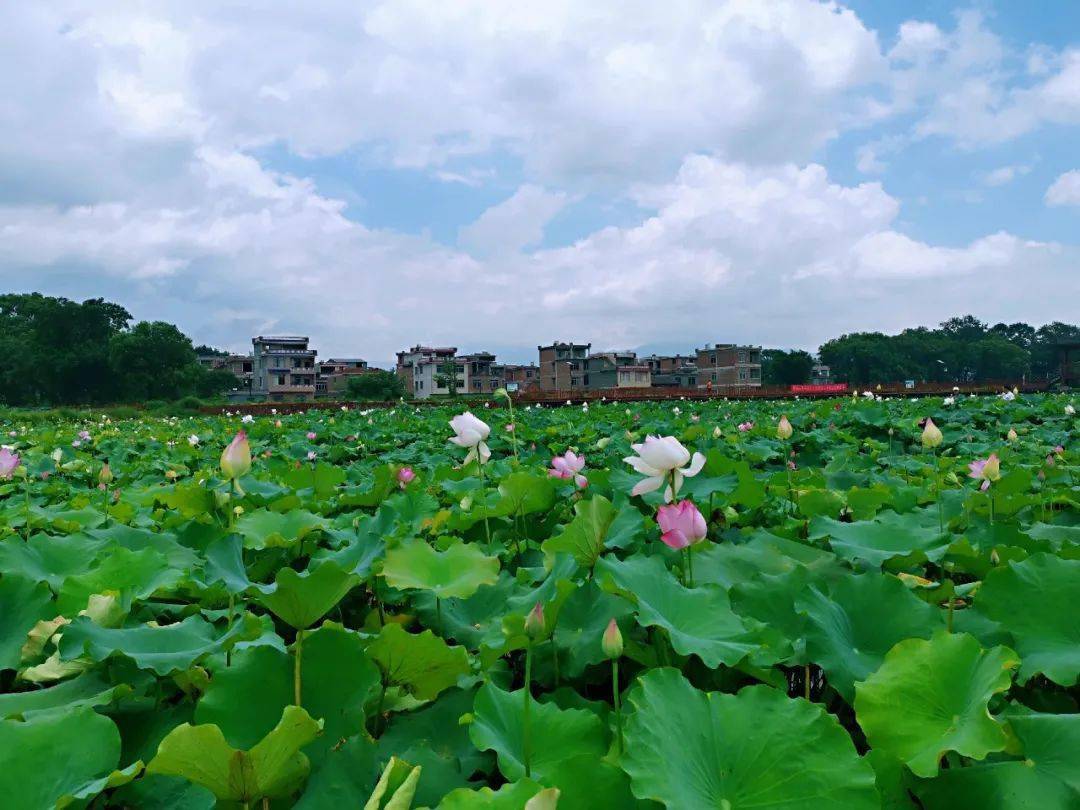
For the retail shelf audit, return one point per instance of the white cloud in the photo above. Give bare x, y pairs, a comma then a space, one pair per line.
1003, 175
1065, 190
515, 223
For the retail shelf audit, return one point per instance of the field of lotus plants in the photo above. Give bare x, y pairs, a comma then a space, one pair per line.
846, 603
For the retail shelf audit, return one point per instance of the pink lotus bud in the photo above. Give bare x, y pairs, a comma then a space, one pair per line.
405, 476
311, 435
682, 524
783, 428
611, 643
105, 476
236, 458
534, 623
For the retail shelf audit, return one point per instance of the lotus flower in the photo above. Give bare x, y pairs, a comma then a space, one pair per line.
569, 466
657, 458
783, 428
247, 418
1070, 410
471, 432
931, 435
405, 476
682, 524
612, 643
311, 435
948, 401
985, 470
8, 462
534, 622
236, 459
745, 426
193, 440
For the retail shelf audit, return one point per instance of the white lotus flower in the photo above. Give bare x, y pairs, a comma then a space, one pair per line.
660, 458
247, 419
949, 401
1008, 396
193, 440
470, 433
1069, 411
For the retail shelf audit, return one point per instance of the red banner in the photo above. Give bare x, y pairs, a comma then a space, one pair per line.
828, 388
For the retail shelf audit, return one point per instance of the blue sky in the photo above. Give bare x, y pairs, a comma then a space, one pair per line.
496, 176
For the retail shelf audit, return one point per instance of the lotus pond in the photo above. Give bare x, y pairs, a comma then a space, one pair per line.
861, 613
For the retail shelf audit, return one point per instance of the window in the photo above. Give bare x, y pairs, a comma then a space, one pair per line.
280, 379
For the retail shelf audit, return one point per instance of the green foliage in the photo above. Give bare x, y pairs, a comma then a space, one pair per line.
779, 367
181, 626
376, 385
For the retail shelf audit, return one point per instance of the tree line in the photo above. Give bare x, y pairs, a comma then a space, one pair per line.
54, 351
961, 349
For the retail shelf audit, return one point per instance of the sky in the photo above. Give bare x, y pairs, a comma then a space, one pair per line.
492, 175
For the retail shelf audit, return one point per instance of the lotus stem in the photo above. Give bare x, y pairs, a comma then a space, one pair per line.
298, 656
615, 696
526, 742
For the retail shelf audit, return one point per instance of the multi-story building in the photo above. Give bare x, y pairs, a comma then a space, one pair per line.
334, 374
482, 374
820, 374
410, 359
283, 368
239, 365
726, 365
685, 376
615, 369
563, 366
667, 363
432, 377
521, 377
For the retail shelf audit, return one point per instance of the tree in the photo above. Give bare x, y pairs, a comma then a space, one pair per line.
202, 350
779, 367
447, 376
152, 361
375, 386
999, 359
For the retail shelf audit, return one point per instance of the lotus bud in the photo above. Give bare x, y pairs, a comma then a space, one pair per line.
612, 644
404, 476
931, 435
236, 458
105, 477
783, 428
603, 442
501, 392
1011, 435
534, 623
716, 433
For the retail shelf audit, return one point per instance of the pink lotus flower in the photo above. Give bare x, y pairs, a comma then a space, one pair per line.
84, 435
985, 470
236, 458
745, 426
661, 458
405, 476
682, 524
312, 435
8, 462
569, 466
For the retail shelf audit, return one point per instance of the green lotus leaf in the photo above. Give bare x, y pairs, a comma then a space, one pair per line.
687, 748
584, 536
265, 529
944, 686
585, 782
556, 734
336, 680
301, 599
457, 572
162, 650
92, 788
582, 621
274, 767
1036, 602
345, 778
525, 493
699, 620
1046, 779
850, 629
224, 563
134, 574
437, 727
89, 689
511, 796
49, 558
55, 755
887, 536
23, 603
421, 662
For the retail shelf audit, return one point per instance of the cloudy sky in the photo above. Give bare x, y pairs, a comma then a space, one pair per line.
497, 175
